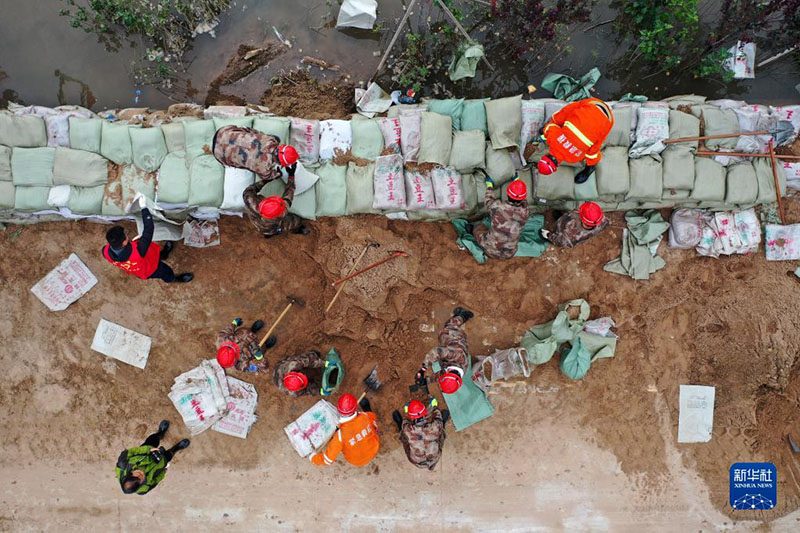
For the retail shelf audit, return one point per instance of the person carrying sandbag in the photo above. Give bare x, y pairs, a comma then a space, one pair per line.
141, 468
258, 152
422, 432
238, 347
357, 436
576, 226
500, 241
294, 374
269, 215
576, 133
452, 354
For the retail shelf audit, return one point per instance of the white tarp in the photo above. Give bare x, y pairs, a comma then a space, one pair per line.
357, 14
201, 396
121, 343
241, 409
696, 414
313, 429
64, 284
742, 61
164, 229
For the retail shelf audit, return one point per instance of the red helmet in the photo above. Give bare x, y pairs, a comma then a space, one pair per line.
228, 354
272, 207
451, 381
295, 381
416, 410
347, 404
547, 165
517, 190
287, 155
591, 214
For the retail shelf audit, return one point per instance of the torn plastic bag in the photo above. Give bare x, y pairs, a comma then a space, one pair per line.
502, 364
465, 61
742, 60
357, 14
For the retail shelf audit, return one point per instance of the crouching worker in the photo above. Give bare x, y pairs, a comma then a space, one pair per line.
422, 432
140, 469
576, 226
256, 151
452, 354
508, 218
301, 374
141, 256
357, 436
269, 215
238, 347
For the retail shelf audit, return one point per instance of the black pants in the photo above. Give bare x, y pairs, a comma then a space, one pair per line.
154, 440
163, 272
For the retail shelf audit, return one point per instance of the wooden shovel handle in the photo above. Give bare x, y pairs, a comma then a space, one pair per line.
352, 269
771, 149
720, 136
275, 324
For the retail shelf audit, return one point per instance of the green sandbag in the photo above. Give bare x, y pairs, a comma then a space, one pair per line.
588, 189
85, 133
173, 179
331, 190
305, 205
470, 190
241, 122
675, 196
720, 121
473, 116
7, 195
504, 119
124, 181
452, 108
360, 188
206, 182
766, 180
174, 136
367, 139
334, 368
5, 163
86, 200
277, 126
197, 134
466, 153
31, 199
575, 361
27, 131
560, 185
742, 184
647, 180
620, 134
435, 139
613, 175
678, 166
79, 168
272, 188
682, 125
32, 166
709, 182
149, 148
115, 143
499, 165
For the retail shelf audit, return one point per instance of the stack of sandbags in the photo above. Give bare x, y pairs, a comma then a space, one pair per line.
85, 174
201, 396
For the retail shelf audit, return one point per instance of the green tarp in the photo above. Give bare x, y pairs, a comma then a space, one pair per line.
468, 405
531, 243
465, 61
639, 245
568, 88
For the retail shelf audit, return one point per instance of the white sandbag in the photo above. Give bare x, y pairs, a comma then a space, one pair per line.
201, 396
685, 229
58, 196
447, 190
790, 113
742, 60
390, 128
304, 137
390, 191
313, 429
236, 181
304, 179
419, 191
792, 171
334, 135
532, 121
410, 134
357, 14
652, 129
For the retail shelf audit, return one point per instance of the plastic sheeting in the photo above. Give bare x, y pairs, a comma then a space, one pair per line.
357, 14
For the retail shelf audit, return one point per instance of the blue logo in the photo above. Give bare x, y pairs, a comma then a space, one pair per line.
753, 486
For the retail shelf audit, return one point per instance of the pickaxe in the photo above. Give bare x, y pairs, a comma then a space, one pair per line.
392, 255
355, 265
292, 301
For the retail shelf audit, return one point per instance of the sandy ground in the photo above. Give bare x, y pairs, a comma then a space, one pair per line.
595, 454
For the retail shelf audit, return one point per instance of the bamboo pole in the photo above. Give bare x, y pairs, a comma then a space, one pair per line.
743, 154
394, 38
461, 29
771, 149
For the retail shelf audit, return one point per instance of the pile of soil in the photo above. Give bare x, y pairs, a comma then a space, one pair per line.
245, 61
299, 95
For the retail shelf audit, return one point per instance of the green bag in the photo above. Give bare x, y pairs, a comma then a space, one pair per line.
206, 182
277, 126
467, 153
473, 116
717, 122
241, 122
85, 134
333, 375
742, 184
149, 148
5, 163
173, 179
465, 61
499, 165
436, 139
31, 198
504, 119
174, 136
678, 166
115, 143
198, 133
331, 190
7, 195
620, 134
32, 166
588, 189
452, 108
613, 175
367, 139
305, 205
560, 185
86, 200
709, 183
540, 342
26, 131
766, 181
683, 125
360, 188
468, 405
647, 179
575, 361
79, 168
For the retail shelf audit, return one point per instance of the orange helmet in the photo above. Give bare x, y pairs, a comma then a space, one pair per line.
347, 404
287, 155
272, 207
591, 214
295, 381
517, 190
416, 410
228, 354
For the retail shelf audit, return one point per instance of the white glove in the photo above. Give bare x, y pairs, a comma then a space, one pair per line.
142, 202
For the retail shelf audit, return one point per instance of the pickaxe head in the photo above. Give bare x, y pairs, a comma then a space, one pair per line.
373, 245
398, 253
371, 381
296, 301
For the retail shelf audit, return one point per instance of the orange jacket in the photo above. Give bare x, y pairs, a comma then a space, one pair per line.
577, 131
357, 437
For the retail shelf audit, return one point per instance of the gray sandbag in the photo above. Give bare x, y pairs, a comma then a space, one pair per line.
239, 122
646, 179
85, 134
32, 166
467, 153
435, 139
766, 180
149, 148
174, 136
683, 125
504, 119
742, 184
79, 168
678, 166
197, 134
620, 134
709, 181
206, 182
499, 165
26, 131
115, 143
5, 163
331, 190
721, 121
31, 199
86, 200
560, 185
173, 179
367, 139
7, 195
613, 175
277, 126
360, 192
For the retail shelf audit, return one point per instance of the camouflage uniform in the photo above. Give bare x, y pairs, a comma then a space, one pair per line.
569, 231
270, 226
299, 363
423, 440
247, 148
248, 347
501, 240
452, 349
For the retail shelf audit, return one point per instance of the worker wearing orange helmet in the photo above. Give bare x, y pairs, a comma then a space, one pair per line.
422, 432
578, 225
299, 374
452, 354
357, 436
501, 240
238, 347
575, 133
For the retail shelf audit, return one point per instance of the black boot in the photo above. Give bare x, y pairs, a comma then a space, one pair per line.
466, 314
302, 230
271, 341
182, 445
398, 419
166, 250
584, 174
163, 426
257, 325
445, 416
185, 278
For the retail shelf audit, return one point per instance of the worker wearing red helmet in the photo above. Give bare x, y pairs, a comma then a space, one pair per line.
578, 225
238, 347
576, 133
501, 240
357, 436
299, 374
452, 354
422, 432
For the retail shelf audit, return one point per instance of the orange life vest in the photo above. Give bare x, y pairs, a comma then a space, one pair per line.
357, 438
141, 267
577, 131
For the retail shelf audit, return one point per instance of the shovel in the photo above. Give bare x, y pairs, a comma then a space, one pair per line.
782, 134
371, 382
292, 301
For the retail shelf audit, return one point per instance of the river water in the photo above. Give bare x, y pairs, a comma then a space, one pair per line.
43, 60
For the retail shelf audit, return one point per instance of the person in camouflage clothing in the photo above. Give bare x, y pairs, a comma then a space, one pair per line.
141, 468
422, 432
576, 226
297, 375
269, 215
238, 347
452, 354
258, 152
500, 241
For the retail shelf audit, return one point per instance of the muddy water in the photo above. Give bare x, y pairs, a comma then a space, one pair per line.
45, 61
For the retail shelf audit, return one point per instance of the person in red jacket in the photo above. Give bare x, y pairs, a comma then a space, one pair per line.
576, 133
141, 256
357, 436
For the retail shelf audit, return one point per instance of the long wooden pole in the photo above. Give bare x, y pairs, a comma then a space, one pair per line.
461, 29
743, 154
720, 136
777, 181
275, 324
394, 38
353, 269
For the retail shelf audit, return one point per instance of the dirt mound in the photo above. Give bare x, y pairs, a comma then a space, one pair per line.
247, 60
299, 95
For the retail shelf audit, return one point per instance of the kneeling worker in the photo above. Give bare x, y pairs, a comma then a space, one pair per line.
452, 354
357, 436
422, 433
238, 347
295, 373
576, 226
508, 218
140, 469
269, 215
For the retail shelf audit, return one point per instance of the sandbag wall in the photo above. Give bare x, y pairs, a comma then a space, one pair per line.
417, 162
